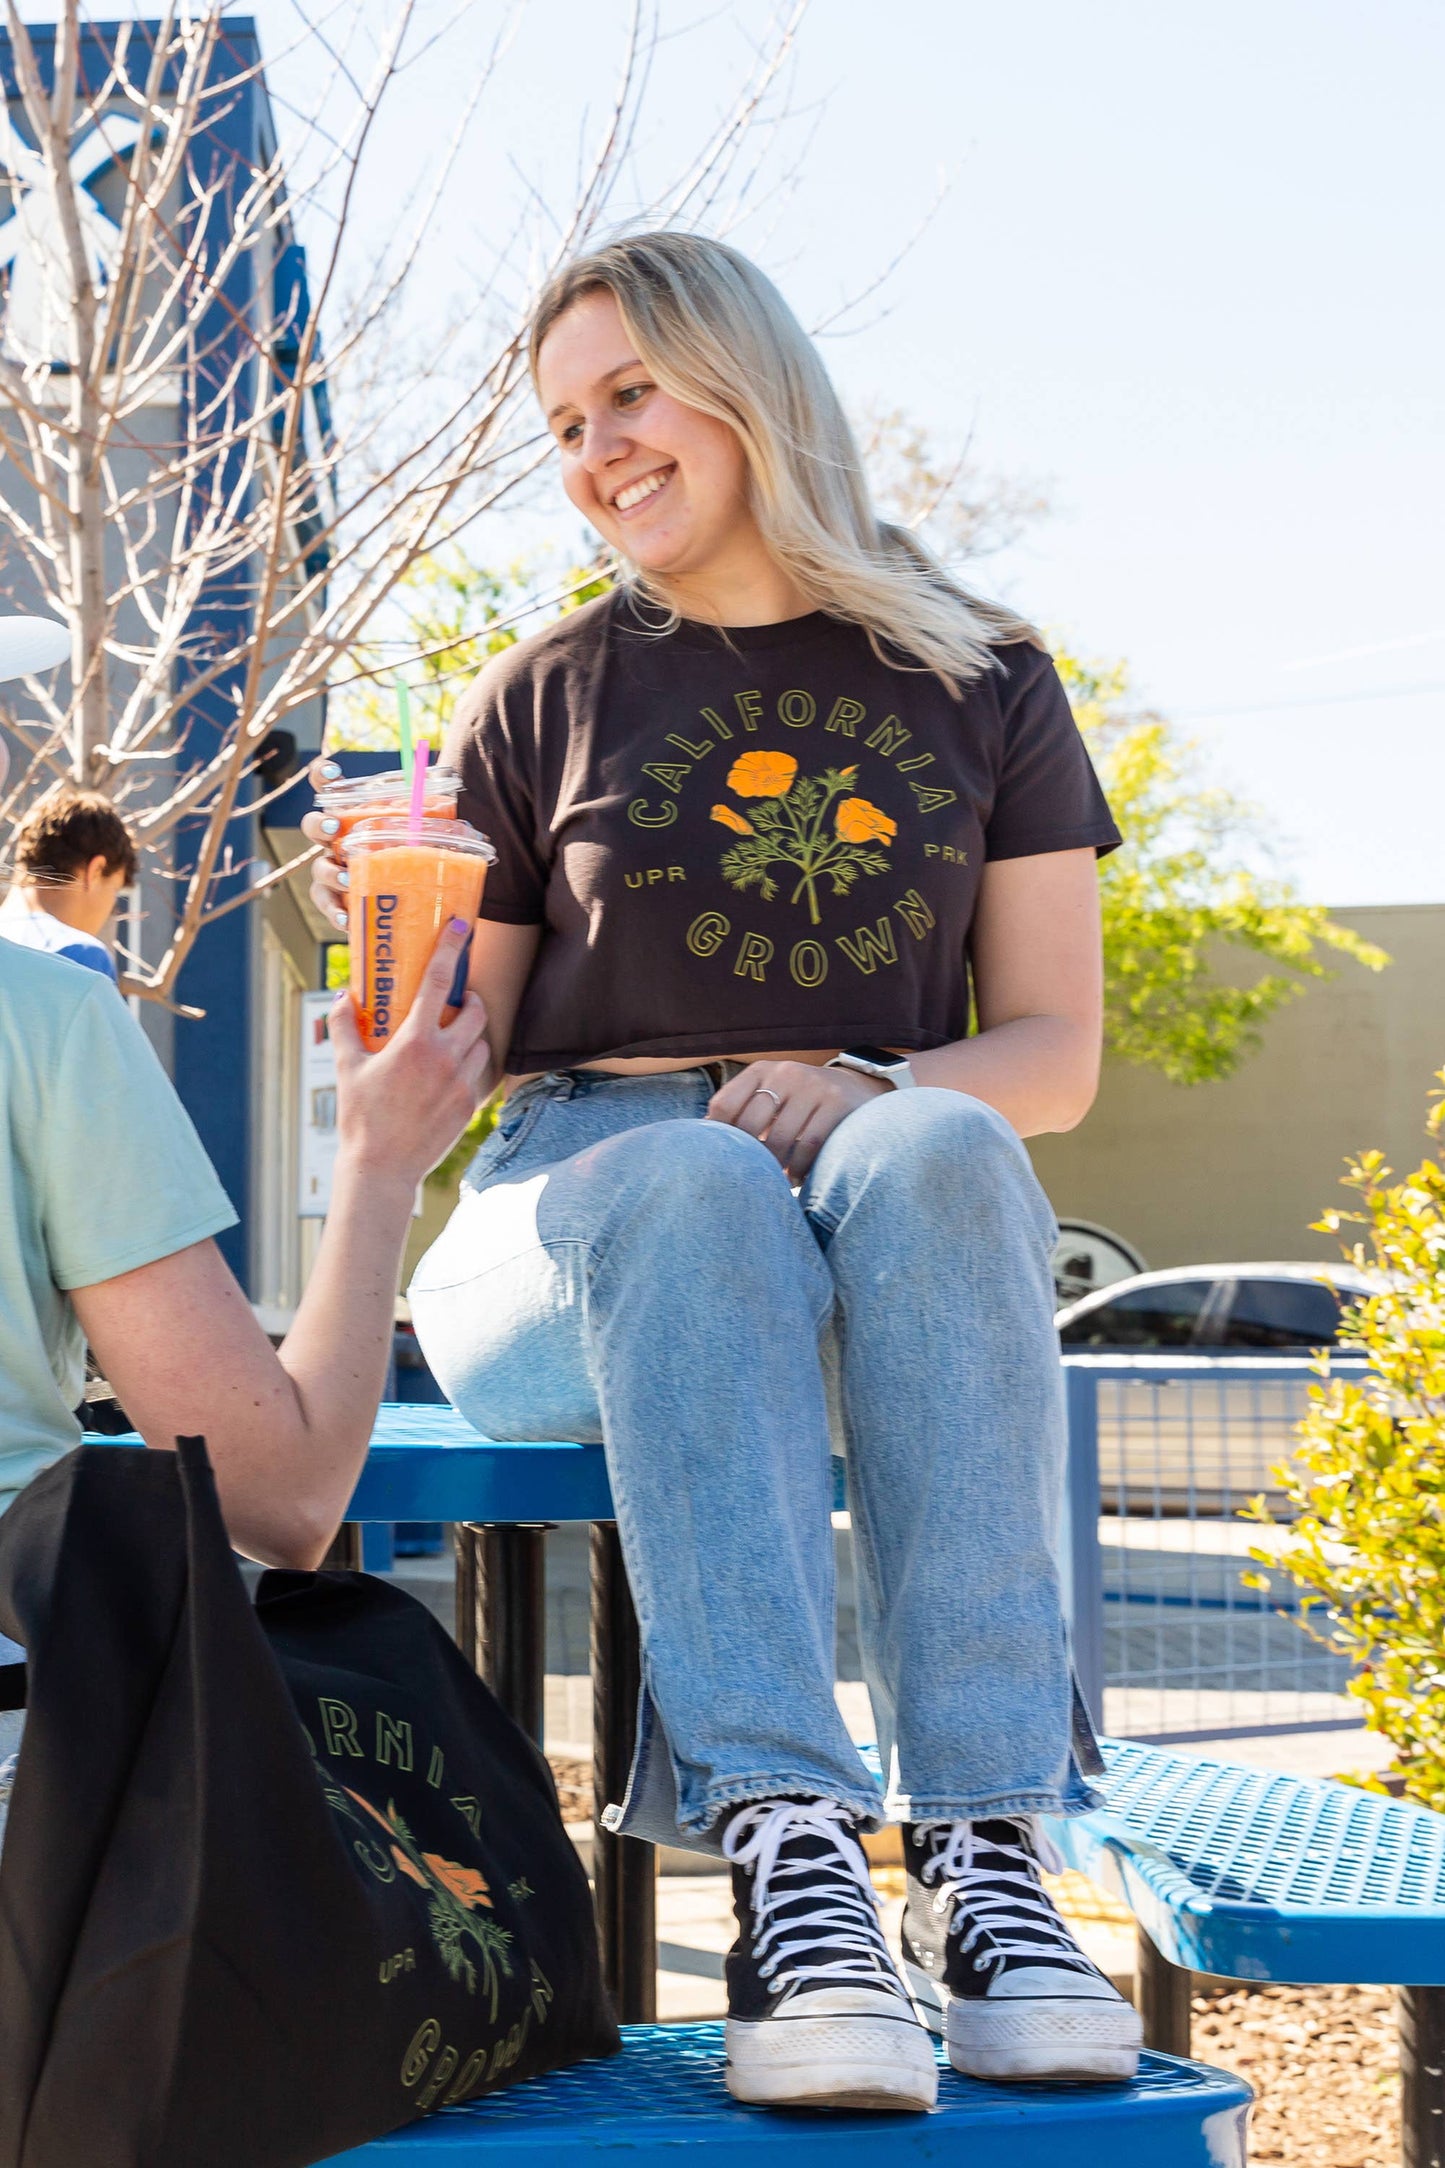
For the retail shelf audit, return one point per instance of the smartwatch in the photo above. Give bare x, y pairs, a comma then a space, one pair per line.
895, 1069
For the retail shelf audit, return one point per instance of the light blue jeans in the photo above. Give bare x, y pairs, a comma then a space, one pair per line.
620, 1269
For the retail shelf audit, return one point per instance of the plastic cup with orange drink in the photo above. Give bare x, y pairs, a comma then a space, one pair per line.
356, 798
406, 880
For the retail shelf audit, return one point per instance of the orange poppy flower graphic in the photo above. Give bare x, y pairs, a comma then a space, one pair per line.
475, 1951
791, 828
762, 775
465, 1884
859, 822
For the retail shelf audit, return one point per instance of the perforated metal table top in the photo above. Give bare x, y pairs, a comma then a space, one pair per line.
1263, 1876
426, 1463
666, 2091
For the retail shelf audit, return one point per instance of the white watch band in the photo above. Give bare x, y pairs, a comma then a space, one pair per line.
898, 1073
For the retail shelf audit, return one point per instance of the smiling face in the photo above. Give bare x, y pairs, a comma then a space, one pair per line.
664, 484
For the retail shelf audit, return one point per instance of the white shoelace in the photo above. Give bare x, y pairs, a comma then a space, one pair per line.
998, 1901
845, 1915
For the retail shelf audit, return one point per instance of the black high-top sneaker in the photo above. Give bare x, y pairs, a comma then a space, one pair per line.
993, 1968
818, 2015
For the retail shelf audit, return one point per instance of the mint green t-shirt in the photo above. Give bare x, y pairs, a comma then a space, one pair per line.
100, 1172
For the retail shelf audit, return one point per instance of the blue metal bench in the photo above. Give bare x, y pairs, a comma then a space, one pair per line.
666, 2091
1254, 1875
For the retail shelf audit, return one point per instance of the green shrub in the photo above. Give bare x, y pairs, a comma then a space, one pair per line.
1368, 1479
1200, 947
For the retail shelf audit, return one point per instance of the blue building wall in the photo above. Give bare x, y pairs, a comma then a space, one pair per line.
212, 1066
211, 1062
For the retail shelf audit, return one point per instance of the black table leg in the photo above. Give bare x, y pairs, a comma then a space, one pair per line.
1163, 1995
1422, 2077
344, 1554
624, 1868
502, 1614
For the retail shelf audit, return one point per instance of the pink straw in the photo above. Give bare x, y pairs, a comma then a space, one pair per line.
418, 786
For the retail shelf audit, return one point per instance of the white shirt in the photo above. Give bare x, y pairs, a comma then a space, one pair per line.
42, 930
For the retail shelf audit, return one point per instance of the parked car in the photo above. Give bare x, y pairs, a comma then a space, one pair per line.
1198, 1448
1273, 1309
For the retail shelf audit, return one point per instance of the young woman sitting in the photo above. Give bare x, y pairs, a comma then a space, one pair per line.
793, 935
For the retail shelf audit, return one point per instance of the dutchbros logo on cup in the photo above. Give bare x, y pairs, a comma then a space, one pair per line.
382, 950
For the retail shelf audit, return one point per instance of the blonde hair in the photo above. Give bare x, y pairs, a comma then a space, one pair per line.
718, 335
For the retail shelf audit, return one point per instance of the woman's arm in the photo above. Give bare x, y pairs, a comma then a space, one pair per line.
502, 959
288, 1431
1038, 966
1039, 981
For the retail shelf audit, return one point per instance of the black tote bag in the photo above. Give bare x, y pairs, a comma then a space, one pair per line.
276, 1879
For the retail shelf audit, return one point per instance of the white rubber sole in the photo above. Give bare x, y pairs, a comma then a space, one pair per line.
1072, 2037
855, 2063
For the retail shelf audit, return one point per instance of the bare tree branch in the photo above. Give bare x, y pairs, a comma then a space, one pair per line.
222, 571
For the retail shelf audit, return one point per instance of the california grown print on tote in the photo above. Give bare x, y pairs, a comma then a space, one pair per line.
458, 1899
816, 826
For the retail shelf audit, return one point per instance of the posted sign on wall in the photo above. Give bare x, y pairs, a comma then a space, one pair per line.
317, 1128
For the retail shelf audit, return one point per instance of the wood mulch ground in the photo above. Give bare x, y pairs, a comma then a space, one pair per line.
574, 1787
1325, 2066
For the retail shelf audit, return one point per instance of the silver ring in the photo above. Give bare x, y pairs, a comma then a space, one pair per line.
764, 1092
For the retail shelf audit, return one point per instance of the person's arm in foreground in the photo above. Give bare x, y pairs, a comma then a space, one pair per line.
1039, 983
288, 1431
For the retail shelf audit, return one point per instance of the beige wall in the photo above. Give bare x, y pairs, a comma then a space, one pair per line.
1238, 1170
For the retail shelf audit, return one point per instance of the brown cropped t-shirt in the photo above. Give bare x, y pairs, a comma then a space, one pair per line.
759, 839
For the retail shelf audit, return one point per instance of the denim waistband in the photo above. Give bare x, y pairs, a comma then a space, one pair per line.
578, 1083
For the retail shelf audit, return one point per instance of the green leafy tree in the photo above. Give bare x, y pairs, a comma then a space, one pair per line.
450, 616
1183, 908
1367, 1481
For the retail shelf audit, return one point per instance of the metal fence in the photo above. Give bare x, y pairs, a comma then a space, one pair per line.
1171, 1643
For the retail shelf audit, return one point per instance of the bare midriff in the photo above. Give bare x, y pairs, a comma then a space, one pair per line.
644, 1065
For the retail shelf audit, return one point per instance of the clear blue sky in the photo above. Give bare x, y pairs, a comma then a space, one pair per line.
1188, 275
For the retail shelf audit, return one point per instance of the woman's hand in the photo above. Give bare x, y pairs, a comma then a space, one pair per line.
401, 1110
328, 875
792, 1106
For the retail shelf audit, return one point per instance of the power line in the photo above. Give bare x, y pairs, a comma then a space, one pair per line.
1375, 647
1315, 700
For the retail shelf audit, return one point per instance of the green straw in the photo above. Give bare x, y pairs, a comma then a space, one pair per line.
418, 788
403, 713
